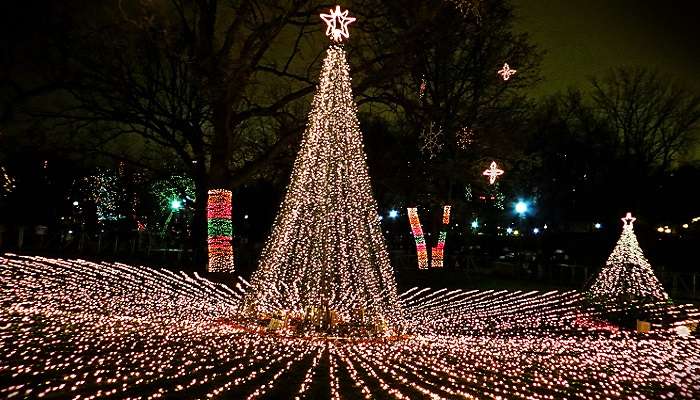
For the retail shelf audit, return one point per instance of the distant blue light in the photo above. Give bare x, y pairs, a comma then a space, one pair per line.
475, 224
598, 225
536, 231
509, 230
521, 207
393, 214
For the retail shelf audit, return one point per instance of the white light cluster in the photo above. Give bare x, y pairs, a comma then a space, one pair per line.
7, 183
627, 273
77, 329
465, 137
326, 251
468, 7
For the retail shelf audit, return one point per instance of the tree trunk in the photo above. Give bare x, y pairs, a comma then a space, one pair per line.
219, 173
220, 249
199, 220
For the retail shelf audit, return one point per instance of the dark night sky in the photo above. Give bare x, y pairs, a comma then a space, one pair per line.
586, 37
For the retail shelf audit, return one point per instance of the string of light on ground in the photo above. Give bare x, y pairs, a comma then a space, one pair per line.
87, 330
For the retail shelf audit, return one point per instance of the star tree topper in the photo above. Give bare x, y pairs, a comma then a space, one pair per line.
337, 22
628, 220
493, 172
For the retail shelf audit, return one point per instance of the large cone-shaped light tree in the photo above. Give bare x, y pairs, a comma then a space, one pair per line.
627, 273
326, 250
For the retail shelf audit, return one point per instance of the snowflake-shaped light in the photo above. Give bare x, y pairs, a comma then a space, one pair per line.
493, 172
506, 72
432, 141
337, 22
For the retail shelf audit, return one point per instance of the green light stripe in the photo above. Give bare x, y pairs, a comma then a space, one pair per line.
220, 227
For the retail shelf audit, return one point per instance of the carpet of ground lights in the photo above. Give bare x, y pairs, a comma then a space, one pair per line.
76, 329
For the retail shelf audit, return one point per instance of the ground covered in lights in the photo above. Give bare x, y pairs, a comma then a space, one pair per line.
75, 329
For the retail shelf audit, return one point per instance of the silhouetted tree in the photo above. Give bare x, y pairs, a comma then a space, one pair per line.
654, 118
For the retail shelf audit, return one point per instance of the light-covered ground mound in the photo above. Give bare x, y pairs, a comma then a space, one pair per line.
75, 329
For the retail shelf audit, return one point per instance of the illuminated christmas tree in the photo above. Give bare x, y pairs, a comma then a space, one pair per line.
627, 273
326, 252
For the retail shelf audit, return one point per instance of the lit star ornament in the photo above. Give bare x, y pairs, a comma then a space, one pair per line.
493, 172
337, 22
628, 220
506, 72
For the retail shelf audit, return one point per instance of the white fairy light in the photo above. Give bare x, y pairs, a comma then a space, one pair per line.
465, 137
7, 183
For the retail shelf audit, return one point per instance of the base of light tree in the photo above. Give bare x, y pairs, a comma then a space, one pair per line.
320, 322
626, 310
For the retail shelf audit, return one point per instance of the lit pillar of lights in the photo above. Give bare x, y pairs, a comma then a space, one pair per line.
437, 252
417, 231
220, 231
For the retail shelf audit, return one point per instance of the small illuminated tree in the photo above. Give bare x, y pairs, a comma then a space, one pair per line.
627, 273
326, 250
